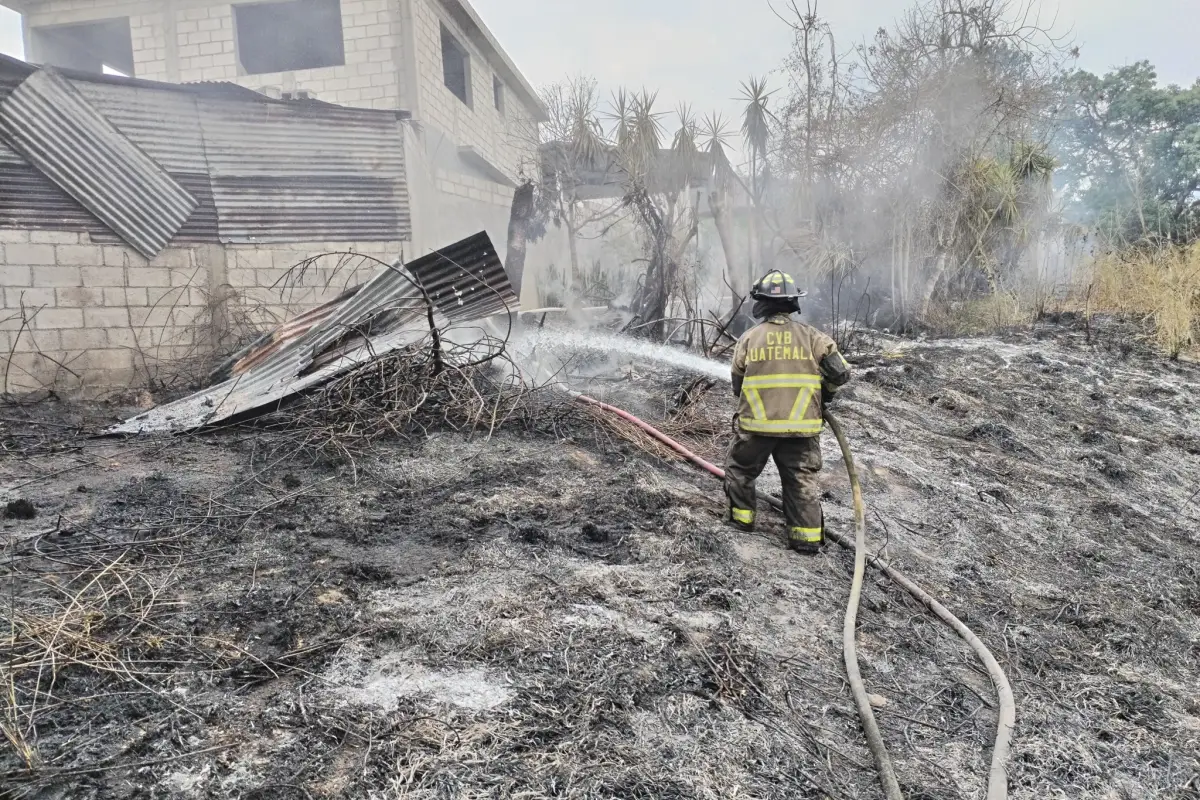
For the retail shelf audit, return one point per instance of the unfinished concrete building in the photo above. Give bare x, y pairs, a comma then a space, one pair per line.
434, 59
386, 126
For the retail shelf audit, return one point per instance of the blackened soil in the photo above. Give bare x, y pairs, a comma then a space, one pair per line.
220, 616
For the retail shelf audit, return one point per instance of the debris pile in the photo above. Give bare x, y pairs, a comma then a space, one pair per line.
448, 293
415, 391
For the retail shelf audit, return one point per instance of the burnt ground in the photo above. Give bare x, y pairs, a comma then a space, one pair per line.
560, 613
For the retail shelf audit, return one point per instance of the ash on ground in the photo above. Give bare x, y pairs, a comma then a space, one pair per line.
559, 611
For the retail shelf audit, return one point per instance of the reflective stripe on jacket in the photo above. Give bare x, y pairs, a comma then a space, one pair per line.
778, 365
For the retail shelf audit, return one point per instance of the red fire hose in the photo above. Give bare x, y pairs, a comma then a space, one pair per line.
997, 775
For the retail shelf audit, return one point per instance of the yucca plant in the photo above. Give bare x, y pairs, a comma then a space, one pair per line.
714, 136
636, 136
992, 209
586, 136
756, 116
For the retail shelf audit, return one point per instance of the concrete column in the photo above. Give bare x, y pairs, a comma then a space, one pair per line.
405, 61
212, 258
171, 35
27, 37
421, 190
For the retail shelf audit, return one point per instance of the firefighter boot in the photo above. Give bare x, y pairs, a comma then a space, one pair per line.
804, 548
739, 520
801, 540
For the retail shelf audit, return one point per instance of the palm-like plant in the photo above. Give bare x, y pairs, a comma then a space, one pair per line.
756, 117
757, 121
638, 134
1002, 202
586, 136
621, 116
713, 135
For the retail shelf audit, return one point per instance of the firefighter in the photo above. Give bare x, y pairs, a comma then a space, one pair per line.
783, 373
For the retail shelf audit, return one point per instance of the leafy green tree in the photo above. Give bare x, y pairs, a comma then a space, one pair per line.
1130, 151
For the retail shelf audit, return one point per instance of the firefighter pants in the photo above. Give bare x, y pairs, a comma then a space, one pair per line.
798, 460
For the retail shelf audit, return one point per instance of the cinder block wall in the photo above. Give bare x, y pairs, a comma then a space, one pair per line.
270, 285
508, 140
82, 316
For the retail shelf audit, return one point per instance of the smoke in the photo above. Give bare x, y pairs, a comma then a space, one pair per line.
916, 168
886, 178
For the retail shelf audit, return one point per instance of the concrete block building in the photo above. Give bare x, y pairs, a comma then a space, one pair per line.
268, 182
434, 59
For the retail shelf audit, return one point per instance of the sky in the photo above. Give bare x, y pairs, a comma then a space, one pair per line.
699, 51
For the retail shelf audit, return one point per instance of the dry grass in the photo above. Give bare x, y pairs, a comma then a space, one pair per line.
97, 627
1162, 287
978, 316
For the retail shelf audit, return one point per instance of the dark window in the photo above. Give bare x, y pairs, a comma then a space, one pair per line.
295, 34
498, 93
100, 46
456, 67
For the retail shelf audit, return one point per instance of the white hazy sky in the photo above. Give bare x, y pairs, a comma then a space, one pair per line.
698, 51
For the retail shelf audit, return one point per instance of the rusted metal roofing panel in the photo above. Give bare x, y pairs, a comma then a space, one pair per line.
279, 171
465, 282
162, 123
30, 200
53, 127
200, 227
297, 172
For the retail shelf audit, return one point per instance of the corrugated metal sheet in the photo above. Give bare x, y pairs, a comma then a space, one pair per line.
462, 279
164, 123
465, 281
296, 172
30, 200
259, 350
161, 122
52, 126
200, 227
258, 170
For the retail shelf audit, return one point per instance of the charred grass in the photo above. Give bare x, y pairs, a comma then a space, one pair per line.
557, 610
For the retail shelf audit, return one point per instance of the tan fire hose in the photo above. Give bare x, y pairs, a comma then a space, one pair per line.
997, 775
887, 774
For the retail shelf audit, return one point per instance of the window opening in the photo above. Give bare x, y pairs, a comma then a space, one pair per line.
498, 93
456, 67
87, 46
289, 35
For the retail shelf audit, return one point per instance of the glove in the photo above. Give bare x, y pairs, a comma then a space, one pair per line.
826, 397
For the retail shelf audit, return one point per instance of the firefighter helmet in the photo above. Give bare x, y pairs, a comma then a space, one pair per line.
776, 285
